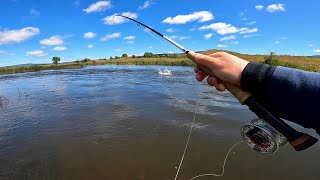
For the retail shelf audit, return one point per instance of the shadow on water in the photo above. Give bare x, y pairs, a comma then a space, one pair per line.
129, 122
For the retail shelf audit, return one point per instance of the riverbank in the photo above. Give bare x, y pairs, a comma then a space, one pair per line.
299, 62
22, 69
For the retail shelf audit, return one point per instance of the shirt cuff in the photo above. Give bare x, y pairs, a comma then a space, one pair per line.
255, 77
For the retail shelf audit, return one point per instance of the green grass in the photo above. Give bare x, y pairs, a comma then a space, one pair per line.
144, 61
299, 62
22, 69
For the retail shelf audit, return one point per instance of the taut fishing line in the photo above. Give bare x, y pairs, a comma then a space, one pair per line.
264, 134
191, 127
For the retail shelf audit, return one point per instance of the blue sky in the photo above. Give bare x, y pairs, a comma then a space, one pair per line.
33, 31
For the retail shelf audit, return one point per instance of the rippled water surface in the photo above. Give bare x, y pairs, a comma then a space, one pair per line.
128, 122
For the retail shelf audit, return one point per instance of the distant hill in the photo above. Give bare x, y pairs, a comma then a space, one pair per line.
20, 65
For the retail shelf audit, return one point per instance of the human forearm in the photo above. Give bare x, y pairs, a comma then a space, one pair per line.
293, 94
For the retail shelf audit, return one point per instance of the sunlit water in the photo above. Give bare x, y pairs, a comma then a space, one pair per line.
129, 122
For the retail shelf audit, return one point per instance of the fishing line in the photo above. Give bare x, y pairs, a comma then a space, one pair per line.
186, 147
197, 105
224, 164
262, 135
187, 143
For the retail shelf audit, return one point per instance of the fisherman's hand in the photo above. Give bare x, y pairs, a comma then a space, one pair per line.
225, 67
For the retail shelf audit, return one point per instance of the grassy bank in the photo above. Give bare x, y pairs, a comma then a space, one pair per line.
299, 62
144, 61
22, 69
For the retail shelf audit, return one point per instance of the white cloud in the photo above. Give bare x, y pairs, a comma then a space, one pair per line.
276, 8
228, 38
98, 6
110, 36
112, 20
2, 52
129, 42
208, 36
221, 46
76, 3
34, 13
201, 16
234, 42
129, 38
277, 42
36, 53
118, 50
90, 46
250, 35
145, 5
52, 41
310, 45
146, 29
60, 48
180, 37
173, 37
223, 28
259, 7
251, 23
244, 19
150, 47
184, 37
17, 36
317, 50
89, 35
248, 31
170, 30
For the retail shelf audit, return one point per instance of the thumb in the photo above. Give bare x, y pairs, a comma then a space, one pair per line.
203, 60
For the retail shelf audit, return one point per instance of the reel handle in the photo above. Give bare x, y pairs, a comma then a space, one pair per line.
298, 140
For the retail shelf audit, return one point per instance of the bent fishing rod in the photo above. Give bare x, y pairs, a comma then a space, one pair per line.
265, 134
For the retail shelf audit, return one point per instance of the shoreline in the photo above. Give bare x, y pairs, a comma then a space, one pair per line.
298, 62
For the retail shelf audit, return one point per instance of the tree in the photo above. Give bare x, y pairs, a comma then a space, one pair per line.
270, 58
148, 54
124, 55
86, 60
133, 56
55, 60
111, 57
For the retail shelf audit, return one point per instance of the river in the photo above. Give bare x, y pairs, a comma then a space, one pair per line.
129, 122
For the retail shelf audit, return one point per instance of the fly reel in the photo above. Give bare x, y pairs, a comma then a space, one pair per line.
262, 137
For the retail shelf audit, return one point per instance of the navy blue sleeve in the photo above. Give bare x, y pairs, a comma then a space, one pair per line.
292, 94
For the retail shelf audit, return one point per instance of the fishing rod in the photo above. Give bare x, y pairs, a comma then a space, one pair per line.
265, 134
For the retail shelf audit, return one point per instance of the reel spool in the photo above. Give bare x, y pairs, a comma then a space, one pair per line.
262, 137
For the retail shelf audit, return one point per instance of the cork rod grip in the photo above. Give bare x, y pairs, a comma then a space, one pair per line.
236, 91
